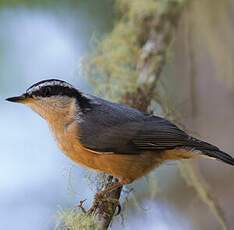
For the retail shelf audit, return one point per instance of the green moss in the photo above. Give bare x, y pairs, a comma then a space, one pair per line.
113, 66
72, 219
137, 9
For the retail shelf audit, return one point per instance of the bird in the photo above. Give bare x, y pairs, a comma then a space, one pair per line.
110, 137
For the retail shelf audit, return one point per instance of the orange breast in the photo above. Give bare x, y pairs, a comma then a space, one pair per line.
126, 167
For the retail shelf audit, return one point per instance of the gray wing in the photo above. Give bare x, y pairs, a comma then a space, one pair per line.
110, 127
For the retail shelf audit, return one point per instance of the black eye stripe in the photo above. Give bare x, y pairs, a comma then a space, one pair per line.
56, 90
50, 88
47, 91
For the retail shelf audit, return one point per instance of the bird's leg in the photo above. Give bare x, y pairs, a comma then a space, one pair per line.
100, 196
115, 186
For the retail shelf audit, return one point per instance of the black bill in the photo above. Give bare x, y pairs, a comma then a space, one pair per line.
18, 99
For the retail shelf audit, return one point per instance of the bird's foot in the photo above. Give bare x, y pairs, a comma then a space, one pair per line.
100, 198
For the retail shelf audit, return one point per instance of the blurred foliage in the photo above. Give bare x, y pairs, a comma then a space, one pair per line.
195, 179
40, 2
215, 36
114, 64
37, 3
100, 11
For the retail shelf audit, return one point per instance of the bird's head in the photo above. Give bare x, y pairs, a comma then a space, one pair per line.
52, 99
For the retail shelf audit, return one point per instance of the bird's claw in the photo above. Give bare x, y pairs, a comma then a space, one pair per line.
80, 206
100, 197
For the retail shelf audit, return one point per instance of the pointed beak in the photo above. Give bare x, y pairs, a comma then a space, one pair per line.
18, 99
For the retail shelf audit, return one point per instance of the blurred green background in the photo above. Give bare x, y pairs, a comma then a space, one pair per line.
47, 39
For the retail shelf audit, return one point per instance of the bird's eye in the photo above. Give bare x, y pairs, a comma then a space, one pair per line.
46, 92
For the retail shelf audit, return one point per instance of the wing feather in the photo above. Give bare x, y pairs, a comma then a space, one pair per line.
116, 128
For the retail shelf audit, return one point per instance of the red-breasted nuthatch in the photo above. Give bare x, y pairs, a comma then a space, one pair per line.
110, 137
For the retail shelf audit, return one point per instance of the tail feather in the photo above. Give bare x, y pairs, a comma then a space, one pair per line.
211, 150
220, 155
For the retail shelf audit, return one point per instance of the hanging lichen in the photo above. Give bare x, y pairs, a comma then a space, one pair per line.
72, 219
